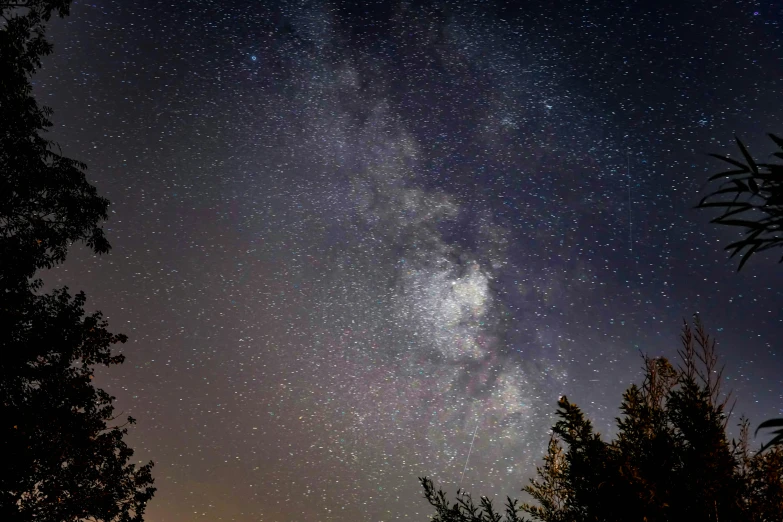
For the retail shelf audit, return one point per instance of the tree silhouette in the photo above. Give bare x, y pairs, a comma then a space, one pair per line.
62, 461
464, 509
671, 460
46, 202
62, 458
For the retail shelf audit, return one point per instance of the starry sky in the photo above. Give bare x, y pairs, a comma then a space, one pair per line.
348, 236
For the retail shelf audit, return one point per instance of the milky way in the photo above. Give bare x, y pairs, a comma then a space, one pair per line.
348, 238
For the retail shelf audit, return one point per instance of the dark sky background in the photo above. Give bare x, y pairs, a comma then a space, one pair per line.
347, 236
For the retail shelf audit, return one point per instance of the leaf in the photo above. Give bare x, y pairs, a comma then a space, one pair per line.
728, 190
736, 246
777, 439
741, 187
748, 157
715, 204
745, 258
737, 223
735, 211
753, 234
771, 244
777, 140
729, 173
753, 185
772, 423
732, 161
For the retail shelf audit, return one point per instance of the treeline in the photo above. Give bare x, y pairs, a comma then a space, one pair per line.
670, 461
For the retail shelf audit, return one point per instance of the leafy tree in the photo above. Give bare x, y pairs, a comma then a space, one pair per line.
62, 460
46, 202
671, 459
754, 203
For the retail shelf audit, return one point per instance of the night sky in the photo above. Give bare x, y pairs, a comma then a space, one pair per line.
347, 237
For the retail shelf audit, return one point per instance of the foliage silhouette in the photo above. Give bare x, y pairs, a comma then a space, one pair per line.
755, 204
670, 461
757, 207
62, 458
62, 461
777, 440
46, 202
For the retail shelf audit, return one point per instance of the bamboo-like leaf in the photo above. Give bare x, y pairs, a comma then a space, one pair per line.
778, 141
711, 204
738, 223
729, 173
734, 162
748, 157
776, 441
772, 244
728, 190
772, 423
762, 229
737, 246
747, 255
753, 234
741, 187
745, 205
734, 212
737, 250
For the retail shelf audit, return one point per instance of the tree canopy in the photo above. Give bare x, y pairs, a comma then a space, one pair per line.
64, 454
46, 202
670, 461
62, 460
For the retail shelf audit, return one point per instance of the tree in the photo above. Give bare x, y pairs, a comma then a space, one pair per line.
671, 459
62, 459
755, 202
46, 202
